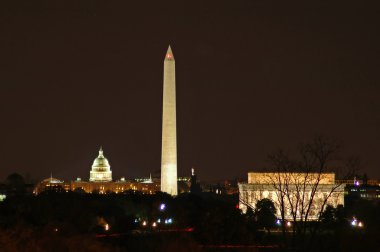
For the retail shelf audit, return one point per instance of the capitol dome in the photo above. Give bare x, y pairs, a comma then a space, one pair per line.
101, 169
101, 163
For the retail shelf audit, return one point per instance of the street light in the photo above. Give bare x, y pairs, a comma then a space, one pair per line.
162, 207
354, 222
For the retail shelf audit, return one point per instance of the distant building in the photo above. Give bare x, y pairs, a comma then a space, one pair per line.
364, 189
100, 181
195, 187
223, 187
264, 185
101, 169
351, 182
183, 184
52, 185
369, 192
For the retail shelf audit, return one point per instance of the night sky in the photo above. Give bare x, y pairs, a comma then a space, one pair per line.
252, 76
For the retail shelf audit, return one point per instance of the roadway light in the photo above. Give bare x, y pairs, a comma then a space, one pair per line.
162, 207
354, 222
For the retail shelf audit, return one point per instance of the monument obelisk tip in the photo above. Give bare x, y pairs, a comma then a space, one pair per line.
169, 54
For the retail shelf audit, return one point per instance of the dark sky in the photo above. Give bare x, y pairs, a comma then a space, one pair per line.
252, 76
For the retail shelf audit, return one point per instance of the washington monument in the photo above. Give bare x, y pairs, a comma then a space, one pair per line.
169, 128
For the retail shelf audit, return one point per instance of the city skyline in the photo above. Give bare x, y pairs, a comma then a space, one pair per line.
253, 78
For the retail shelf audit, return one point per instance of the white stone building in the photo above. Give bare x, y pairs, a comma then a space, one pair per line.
294, 190
101, 169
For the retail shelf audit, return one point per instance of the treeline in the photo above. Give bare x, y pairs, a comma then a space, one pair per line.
208, 218
73, 220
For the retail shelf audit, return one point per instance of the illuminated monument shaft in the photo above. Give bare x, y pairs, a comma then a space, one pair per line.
169, 129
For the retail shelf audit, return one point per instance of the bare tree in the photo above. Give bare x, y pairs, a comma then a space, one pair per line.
279, 180
305, 185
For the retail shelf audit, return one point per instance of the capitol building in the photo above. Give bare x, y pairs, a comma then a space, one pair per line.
101, 169
100, 181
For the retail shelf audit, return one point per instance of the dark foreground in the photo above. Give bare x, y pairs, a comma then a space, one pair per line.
130, 222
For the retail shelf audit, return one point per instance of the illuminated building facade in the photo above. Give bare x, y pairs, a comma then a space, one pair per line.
100, 182
266, 185
119, 186
52, 185
101, 169
363, 191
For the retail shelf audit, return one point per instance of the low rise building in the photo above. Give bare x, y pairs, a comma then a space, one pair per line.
289, 189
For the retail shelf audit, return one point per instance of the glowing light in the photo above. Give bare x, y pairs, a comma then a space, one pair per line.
357, 183
136, 220
106, 227
2, 197
354, 222
144, 223
162, 207
360, 224
55, 229
159, 221
154, 224
278, 222
289, 224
